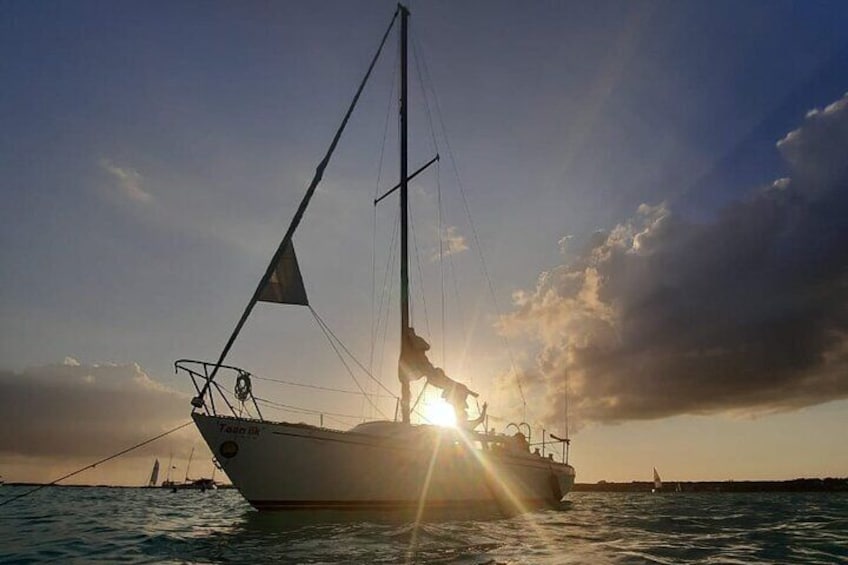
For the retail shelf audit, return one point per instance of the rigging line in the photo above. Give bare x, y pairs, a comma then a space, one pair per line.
439, 208
420, 276
374, 318
416, 49
336, 420
93, 465
476, 236
457, 300
316, 387
299, 410
424, 79
375, 321
452, 274
346, 350
386, 296
298, 215
565, 415
243, 407
285, 407
327, 334
418, 398
441, 267
389, 289
418, 55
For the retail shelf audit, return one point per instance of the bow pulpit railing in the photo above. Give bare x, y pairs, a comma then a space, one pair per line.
209, 389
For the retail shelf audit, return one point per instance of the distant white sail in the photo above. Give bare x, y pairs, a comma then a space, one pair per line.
657, 480
154, 475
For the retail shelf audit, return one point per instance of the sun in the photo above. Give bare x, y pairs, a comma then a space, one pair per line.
439, 413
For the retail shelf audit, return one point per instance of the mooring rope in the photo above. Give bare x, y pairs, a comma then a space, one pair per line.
91, 466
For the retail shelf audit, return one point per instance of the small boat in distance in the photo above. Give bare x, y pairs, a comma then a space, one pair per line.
379, 465
196, 484
657, 481
202, 484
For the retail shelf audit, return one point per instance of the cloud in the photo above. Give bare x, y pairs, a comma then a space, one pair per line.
70, 361
128, 181
747, 313
816, 151
70, 414
564, 243
452, 243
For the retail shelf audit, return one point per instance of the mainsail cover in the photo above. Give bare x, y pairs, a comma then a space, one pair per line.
285, 285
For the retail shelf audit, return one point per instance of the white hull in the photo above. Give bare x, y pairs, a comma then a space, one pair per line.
378, 466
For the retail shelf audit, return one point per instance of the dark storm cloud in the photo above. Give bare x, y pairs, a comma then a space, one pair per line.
74, 410
749, 312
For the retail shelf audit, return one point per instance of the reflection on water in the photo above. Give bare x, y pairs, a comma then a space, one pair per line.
155, 525
297, 519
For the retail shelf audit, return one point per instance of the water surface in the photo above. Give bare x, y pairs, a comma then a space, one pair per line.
157, 526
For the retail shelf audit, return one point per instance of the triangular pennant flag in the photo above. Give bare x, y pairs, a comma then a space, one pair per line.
285, 286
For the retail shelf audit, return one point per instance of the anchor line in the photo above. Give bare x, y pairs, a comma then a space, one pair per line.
93, 465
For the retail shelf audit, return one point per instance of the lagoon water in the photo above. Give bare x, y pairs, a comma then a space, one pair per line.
156, 526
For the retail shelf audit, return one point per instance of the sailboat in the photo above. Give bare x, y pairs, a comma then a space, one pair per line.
202, 484
657, 481
154, 475
382, 465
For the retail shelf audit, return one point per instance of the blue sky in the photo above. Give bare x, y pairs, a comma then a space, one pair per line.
152, 155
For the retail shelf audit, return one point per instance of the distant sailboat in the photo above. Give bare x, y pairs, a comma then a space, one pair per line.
191, 456
154, 475
657, 481
201, 484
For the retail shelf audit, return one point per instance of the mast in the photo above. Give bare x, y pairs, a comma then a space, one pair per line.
404, 212
170, 461
190, 455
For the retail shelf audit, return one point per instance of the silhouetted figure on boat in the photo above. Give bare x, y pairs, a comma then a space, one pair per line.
417, 365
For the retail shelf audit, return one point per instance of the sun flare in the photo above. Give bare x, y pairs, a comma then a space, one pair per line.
439, 413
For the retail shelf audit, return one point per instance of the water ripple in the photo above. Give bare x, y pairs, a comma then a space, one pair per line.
157, 526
